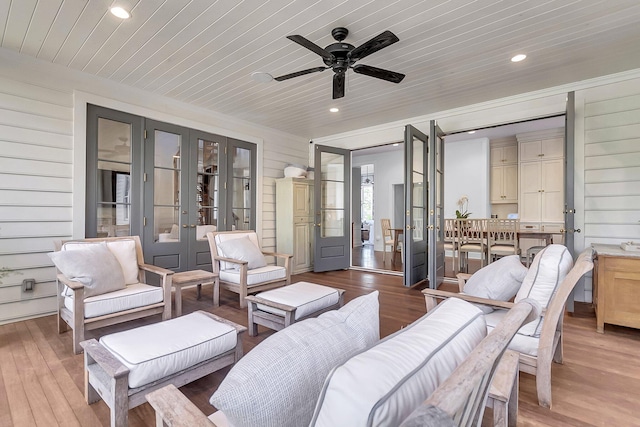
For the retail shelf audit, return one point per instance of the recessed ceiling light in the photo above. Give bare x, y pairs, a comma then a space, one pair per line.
261, 76
120, 12
396, 144
518, 57
334, 110
471, 132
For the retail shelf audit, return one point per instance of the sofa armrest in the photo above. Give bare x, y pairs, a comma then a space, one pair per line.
277, 254
173, 409
156, 270
433, 295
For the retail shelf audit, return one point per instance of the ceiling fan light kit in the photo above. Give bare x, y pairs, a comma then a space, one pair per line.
342, 56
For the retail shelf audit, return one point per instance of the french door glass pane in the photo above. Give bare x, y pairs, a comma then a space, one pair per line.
113, 192
166, 186
332, 197
241, 187
418, 176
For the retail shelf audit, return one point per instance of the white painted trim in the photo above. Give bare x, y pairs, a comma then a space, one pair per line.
535, 100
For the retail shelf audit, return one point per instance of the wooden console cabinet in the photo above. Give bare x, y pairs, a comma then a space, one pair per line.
616, 286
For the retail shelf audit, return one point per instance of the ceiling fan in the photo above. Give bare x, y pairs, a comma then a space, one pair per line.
341, 56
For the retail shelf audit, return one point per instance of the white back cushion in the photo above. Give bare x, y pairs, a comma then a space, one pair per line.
279, 381
548, 270
381, 386
125, 251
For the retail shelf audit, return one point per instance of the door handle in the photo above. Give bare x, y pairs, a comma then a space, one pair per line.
184, 225
193, 226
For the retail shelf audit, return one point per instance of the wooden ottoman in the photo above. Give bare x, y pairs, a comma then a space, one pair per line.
278, 308
123, 367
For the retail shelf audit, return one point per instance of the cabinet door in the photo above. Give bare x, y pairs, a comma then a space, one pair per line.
510, 184
553, 190
302, 246
530, 192
530, 150
301, 199
496, 156
552, 148
510, 154
497, 178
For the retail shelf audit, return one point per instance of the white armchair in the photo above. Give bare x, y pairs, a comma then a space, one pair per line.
549, 281
102, 281
240, 263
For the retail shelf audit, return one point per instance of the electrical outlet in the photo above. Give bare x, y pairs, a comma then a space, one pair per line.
28, 285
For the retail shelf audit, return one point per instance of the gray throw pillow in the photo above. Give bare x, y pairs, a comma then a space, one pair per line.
93, 265
499, 281
243, 249
279, 381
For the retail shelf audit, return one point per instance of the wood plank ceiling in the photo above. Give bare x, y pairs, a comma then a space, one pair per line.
454, 52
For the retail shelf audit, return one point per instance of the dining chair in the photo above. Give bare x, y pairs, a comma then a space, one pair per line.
451, 241
387, 239
502, 238
472, 239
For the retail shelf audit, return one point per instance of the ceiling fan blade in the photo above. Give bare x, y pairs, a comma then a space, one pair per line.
312, 47
299, 73
378, 73
375, 44
338, 85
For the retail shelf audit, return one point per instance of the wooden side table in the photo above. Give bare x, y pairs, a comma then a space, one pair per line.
194, 277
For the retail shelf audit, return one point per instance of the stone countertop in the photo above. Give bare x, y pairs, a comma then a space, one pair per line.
614, 250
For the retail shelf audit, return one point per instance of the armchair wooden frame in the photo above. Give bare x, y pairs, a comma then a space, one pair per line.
242, 288
550, 344
76, 320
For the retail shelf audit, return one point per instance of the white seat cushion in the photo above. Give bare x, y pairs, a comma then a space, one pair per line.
307, 297
132, 296
255, 276
156, 351
382, 385
521, 343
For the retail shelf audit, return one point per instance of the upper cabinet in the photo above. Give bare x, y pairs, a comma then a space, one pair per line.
540, 149
504, 171
541, 170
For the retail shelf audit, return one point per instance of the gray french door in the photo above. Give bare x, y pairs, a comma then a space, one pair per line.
416, 149
168, 184
435, 235
182, 199
569, 173
331, 209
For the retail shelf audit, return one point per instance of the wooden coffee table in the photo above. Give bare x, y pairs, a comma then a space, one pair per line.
194, 277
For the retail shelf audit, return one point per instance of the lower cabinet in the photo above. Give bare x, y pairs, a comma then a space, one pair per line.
616, 287
294, 221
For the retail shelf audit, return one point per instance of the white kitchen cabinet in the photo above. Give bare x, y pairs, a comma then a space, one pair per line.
541, 178
294, 221
542, 149
504, 173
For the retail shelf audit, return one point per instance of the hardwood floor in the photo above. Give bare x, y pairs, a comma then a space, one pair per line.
41, 381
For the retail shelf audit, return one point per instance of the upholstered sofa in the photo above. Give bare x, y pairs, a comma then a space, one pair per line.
333, 370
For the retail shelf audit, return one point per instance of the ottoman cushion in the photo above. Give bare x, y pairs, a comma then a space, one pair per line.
159, 350
307, 297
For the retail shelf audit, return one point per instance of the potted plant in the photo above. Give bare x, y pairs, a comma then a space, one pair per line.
463, 204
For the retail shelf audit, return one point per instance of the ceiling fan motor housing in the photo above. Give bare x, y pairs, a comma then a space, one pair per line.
340, 51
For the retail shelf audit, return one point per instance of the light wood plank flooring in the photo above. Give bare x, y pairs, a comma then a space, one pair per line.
41, 380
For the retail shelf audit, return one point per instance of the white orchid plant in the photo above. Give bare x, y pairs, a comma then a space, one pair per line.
463, 204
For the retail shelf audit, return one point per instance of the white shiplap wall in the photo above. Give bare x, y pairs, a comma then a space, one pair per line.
36, 138
611, 165
41, 112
